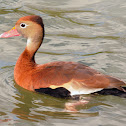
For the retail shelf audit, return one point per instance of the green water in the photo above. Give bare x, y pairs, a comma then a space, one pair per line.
90, 32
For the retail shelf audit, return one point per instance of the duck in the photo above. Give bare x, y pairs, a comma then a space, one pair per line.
59, 79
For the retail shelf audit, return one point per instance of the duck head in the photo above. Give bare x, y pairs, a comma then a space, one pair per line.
31, 28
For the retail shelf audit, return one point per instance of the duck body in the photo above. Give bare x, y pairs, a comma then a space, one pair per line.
56, 77
74, 77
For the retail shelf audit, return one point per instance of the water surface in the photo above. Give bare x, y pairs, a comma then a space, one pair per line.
89, 32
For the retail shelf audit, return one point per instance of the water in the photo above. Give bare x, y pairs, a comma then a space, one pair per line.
90, 32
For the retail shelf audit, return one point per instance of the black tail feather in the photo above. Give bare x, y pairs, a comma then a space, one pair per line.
114, 91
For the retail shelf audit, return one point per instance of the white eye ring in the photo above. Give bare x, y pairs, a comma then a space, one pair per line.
23, 25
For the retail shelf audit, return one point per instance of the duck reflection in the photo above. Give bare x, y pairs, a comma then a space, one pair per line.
34, 107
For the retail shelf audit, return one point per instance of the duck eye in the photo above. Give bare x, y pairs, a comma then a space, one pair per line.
23, 25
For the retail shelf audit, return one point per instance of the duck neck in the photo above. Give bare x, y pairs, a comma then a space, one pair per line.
27, 58
26, 61
24, 65
32, 47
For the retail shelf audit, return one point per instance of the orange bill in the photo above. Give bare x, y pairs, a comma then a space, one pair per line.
10, 33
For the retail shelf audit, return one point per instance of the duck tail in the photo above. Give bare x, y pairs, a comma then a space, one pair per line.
116, 83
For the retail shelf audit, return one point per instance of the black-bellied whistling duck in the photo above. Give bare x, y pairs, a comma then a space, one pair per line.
59, 79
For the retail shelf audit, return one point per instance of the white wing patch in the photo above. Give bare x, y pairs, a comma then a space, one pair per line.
83, 91
77, 88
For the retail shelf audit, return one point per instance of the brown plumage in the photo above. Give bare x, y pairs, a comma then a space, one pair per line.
76, 78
